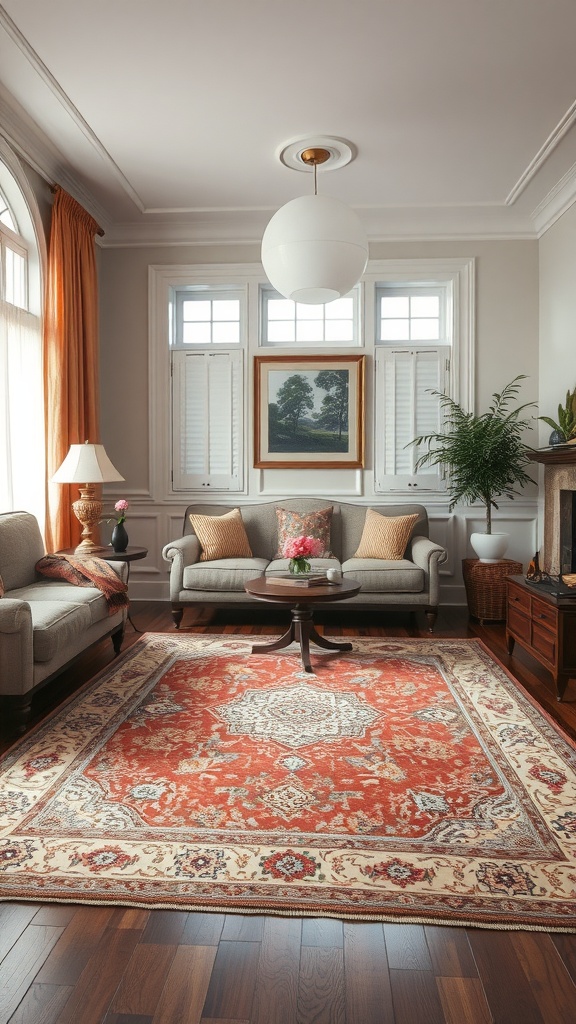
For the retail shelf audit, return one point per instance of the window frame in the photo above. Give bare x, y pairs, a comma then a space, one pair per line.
267, 292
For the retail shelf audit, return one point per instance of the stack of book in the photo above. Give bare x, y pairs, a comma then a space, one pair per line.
312, 579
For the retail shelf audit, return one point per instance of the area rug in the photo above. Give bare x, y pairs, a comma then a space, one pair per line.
406, 780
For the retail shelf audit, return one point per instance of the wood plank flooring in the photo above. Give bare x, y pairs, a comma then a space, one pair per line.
113, 965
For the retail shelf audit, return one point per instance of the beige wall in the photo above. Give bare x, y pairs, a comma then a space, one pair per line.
557, 316
506, 327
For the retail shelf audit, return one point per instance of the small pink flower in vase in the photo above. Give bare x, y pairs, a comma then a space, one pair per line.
119, 538
299, 550
122, 507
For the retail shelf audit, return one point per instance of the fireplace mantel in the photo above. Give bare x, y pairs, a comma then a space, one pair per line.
561, 454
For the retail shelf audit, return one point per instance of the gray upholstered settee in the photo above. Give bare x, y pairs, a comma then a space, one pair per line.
44, 623
412, 582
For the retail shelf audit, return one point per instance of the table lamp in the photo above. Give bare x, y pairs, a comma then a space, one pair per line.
87, 465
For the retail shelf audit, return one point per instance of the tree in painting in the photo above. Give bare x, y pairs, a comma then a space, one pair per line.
293, 399
301, 420
334, 412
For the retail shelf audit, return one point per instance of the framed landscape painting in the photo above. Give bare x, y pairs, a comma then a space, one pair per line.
309, 412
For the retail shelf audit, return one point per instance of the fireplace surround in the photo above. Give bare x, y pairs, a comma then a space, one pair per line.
559, 545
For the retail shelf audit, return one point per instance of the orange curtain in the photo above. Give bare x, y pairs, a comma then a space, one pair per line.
70, 356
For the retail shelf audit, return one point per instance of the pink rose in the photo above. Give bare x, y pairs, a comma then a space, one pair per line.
121, 505
302, 547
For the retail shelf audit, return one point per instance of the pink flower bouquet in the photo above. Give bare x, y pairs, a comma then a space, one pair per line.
299, 550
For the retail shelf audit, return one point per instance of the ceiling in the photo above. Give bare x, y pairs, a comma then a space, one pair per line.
165, 119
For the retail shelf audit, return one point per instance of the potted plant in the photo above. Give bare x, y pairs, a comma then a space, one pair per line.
565, 429
485, 457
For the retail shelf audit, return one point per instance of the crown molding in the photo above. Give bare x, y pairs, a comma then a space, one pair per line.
64, 100
555, 137
30, 143
559, 199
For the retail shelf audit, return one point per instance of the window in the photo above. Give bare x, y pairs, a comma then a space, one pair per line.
284, 322
207, 399
423, 343
207, 318
203, 318
22, 474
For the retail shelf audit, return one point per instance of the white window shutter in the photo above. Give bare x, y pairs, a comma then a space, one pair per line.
404, 410
207, 418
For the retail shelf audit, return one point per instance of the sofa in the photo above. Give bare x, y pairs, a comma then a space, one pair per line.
410, 582
44, 623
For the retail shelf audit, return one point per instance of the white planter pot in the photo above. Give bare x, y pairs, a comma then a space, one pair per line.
490, 547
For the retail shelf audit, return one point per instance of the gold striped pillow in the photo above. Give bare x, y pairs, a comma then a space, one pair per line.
385, 536
221, 536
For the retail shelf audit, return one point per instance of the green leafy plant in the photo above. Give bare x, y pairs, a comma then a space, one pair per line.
566, 424
484, 455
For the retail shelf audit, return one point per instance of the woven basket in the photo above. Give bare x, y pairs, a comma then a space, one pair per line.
485, 584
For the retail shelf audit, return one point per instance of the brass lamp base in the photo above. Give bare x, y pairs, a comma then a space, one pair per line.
88, 511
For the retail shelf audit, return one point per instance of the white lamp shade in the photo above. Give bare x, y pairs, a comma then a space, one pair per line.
86, 464
314, 249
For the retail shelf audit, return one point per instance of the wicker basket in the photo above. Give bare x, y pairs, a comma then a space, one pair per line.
485, 584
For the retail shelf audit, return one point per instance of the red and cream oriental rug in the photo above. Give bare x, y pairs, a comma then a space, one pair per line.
407, 780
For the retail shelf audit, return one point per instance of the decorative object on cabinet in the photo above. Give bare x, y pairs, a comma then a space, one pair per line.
309, 412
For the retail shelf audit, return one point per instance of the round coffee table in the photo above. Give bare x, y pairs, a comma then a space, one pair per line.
302, 601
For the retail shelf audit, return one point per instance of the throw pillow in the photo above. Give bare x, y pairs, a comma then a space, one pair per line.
315, 524
2, 591
385, 536
221, 536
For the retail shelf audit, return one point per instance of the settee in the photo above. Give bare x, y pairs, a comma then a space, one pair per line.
44, 623
409, 582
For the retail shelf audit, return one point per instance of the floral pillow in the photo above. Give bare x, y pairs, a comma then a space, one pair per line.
315, 524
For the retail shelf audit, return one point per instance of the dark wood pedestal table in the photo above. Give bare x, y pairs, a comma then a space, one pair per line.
132, 554
302, 601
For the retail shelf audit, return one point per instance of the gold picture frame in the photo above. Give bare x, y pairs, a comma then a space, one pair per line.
303, 422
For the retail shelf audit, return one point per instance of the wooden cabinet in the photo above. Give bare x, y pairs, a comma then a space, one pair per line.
545, 626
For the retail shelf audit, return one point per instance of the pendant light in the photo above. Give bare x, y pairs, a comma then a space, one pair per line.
314, 249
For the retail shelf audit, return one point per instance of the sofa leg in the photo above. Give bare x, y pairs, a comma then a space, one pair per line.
177, 614
431, 614
117, 639
18, 711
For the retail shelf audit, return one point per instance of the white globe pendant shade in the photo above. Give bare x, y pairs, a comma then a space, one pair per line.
314, 249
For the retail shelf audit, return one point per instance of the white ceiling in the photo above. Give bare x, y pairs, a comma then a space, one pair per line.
165, 119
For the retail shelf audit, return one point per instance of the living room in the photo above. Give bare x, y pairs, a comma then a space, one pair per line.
461, 169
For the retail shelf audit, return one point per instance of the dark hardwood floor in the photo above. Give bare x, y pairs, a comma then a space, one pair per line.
86, 965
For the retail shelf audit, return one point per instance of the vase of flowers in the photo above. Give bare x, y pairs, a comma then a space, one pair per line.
119, 538
298, 550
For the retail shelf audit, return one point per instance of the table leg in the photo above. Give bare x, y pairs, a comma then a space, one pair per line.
276, 645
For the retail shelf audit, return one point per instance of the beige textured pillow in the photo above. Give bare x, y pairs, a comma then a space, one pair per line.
385, 536
221, 536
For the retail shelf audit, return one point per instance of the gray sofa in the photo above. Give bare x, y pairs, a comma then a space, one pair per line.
412, 582
44, 623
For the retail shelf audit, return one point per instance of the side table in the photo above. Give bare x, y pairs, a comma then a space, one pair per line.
545, 626
485, 584
132, 554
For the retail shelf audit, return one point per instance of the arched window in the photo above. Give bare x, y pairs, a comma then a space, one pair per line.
22, 466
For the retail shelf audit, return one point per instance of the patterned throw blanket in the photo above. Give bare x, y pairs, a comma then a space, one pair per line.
87, 571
